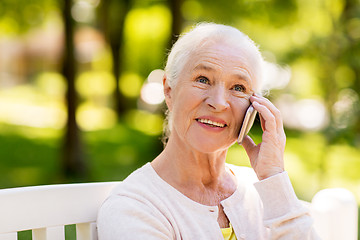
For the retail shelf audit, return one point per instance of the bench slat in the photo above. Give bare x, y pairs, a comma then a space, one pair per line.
86, 231
55, 233
39, 234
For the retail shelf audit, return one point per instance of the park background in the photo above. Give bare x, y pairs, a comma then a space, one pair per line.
80, 100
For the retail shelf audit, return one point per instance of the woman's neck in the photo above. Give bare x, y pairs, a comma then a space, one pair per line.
182, 166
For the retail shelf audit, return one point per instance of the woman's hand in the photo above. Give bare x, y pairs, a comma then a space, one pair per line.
266, 158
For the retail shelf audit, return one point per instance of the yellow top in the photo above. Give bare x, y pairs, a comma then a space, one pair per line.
228, 233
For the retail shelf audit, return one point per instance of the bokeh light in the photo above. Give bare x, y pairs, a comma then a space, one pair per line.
130, 84
152, 93
311, 114
91, 117
148, 123
275, 76
304, 114
84, 11
95, 83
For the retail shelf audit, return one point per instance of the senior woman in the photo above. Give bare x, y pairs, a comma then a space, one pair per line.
188, 192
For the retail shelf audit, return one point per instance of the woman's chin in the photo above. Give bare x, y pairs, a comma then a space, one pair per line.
210, 145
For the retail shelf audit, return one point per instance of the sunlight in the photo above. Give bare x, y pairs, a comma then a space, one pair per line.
346, 108
95, 83
24, 105
152, 93
83, 11
9, 26
146, 34
345, 76
91, 117
311, 114
130, 84
51, 83
156, 76
148, 23
304, 82
148, 123
305, 114
275, 76
27, 114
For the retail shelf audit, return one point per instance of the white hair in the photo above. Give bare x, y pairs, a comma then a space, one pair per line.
203, 33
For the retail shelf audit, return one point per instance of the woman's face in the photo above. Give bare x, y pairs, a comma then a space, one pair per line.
210, 98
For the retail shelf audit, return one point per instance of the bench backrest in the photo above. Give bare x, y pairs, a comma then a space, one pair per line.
47, 209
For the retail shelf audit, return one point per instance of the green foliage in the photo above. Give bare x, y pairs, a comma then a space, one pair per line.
30, 156
147, 31
18, 16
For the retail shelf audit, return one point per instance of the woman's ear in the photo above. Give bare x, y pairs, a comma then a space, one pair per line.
167, 92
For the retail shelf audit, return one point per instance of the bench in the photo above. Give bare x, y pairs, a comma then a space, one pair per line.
46, 210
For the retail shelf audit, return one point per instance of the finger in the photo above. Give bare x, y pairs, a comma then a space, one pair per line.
266, 102
269, 123
262, 122
268, 119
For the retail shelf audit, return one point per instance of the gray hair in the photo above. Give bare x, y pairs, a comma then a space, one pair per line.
211, 32
200, 34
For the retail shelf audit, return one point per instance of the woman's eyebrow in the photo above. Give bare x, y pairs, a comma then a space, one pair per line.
241, 75
203, 67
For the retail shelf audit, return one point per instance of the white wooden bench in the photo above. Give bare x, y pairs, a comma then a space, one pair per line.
47, 209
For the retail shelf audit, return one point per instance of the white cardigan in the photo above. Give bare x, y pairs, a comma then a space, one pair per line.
146, 207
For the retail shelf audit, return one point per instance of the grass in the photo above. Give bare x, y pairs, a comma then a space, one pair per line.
31, 156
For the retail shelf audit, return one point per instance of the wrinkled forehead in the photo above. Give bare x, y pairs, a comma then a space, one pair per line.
227, 55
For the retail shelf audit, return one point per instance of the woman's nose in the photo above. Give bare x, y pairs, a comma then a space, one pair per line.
218, 99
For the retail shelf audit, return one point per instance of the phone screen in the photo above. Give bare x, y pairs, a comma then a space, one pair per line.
247, 123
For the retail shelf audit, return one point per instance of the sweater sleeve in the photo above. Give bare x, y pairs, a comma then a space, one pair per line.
285, 216
124, 218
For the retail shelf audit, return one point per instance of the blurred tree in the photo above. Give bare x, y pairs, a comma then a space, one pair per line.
112, 14
351, 27
16, 18
177, 20
73, 160
340, 68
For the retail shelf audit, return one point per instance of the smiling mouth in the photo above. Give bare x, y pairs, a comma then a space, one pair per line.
211, 123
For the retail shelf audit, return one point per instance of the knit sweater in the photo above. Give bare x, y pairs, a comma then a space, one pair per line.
144, 206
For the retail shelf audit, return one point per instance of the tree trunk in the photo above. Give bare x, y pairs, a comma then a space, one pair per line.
72, 160
177, 20
113, 14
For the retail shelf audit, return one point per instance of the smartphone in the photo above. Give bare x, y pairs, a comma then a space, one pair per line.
247, 123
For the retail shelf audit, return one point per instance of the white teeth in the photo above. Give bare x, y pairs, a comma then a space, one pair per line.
207, 121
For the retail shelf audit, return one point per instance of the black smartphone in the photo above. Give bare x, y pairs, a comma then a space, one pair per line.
247, 123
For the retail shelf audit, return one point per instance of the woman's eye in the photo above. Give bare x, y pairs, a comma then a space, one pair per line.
239, 88
203, 80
